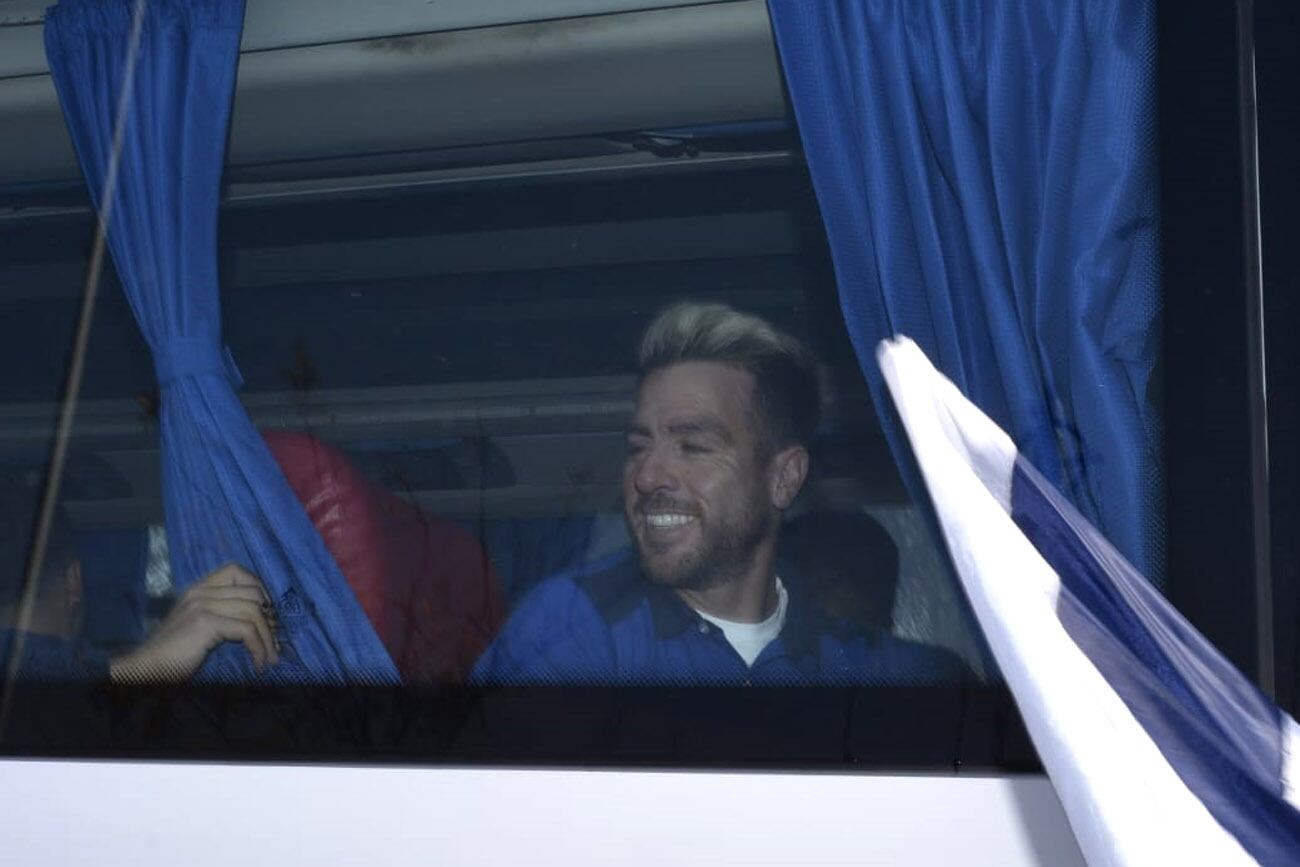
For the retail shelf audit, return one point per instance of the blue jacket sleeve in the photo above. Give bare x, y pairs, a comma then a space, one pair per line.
45, 659
555, 637
890, 661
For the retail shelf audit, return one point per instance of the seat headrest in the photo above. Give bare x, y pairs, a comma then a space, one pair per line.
849, 563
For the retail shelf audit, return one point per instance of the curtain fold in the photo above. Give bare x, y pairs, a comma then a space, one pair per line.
986, 174
168, 66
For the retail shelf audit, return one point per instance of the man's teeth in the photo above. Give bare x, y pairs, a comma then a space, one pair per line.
668, 520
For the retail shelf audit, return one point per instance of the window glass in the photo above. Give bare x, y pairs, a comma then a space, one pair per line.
439, 348
445, 373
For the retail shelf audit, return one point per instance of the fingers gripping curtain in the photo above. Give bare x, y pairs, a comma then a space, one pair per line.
986, 174
169, 65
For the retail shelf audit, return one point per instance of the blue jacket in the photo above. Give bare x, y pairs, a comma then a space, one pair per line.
47, 659
612, 627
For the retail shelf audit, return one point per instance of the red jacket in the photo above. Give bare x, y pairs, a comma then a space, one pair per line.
426, 584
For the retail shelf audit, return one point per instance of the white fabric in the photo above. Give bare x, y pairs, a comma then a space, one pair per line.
1125, 803
1291, 763
749, 639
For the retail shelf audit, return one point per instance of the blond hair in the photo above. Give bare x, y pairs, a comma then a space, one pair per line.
786, 398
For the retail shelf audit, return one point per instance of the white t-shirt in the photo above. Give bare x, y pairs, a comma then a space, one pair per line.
749, 639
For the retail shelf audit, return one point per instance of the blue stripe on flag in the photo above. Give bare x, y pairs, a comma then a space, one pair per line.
1219, 733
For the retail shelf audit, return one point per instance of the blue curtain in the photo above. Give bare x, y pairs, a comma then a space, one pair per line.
225, 498
986, 173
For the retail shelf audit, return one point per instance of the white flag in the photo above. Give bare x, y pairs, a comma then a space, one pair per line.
1160, 750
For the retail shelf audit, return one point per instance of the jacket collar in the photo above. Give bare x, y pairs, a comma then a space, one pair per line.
621, 589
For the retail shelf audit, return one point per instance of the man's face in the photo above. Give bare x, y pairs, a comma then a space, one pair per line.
696, 492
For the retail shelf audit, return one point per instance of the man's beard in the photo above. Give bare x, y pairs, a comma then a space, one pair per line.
725, 551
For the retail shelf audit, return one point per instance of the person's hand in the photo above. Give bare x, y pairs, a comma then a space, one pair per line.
230, 604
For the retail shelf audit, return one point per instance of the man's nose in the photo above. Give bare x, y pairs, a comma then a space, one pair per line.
653, 471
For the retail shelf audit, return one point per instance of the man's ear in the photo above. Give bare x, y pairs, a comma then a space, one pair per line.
789, 469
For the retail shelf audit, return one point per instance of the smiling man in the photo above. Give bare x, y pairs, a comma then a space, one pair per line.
717, 450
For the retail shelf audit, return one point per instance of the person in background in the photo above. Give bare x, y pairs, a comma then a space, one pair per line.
229, 604
717, 450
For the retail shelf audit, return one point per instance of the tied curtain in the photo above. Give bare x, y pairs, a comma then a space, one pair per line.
985, 170
165, 71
